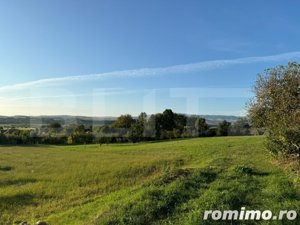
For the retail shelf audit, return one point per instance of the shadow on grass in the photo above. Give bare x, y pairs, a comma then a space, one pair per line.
30, 145
16, 201
261, 174
247, 170
17, 182
6, 168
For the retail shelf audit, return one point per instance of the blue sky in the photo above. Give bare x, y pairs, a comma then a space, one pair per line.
106, 58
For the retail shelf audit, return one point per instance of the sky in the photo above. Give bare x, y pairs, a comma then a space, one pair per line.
112, 57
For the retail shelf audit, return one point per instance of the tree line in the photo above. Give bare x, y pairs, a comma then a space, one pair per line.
160, 126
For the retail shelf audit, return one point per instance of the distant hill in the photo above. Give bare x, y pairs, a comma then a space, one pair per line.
62, 119
34, 121
216, 119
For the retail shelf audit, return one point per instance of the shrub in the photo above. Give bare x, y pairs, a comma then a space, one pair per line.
276, 108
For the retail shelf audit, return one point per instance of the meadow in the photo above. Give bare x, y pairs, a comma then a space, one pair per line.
170, 182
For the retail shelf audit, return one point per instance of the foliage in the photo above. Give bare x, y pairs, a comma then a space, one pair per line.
201, 127
54, 125
276, 107
124, 121
159, 126
223, 128
240, 127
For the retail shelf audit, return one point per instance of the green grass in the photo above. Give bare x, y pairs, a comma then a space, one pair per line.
170, 182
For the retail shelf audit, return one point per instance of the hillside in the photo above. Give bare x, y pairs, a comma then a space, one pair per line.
170, 182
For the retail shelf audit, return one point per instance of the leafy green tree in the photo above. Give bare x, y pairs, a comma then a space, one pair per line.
124, 121
79, 129
157, 124
55, 128
201, 127
276, 108
223, 128
142, 118
150, 131
168, 122
54, 125
136, 131
180, 123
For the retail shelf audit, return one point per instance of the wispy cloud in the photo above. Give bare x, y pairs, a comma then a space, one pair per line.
103, 92
147, 72
189, 93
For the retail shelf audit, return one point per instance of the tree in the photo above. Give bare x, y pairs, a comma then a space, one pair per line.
190, 128
201, 127
136, 131
276, 107
142, 118
54, 125
79, 129
168, 122
69, 140
150, 131
124, 121
223, 128
156, 122
240, 127
180, 123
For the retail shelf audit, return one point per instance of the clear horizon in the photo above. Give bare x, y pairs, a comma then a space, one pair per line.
107, 58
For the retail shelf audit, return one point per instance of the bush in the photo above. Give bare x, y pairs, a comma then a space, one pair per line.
276, 108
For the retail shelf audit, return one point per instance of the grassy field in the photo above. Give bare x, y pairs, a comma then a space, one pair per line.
170, 182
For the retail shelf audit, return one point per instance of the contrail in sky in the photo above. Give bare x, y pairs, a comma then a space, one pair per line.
148, 72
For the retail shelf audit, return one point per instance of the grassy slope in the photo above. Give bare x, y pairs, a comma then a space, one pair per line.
158, 183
